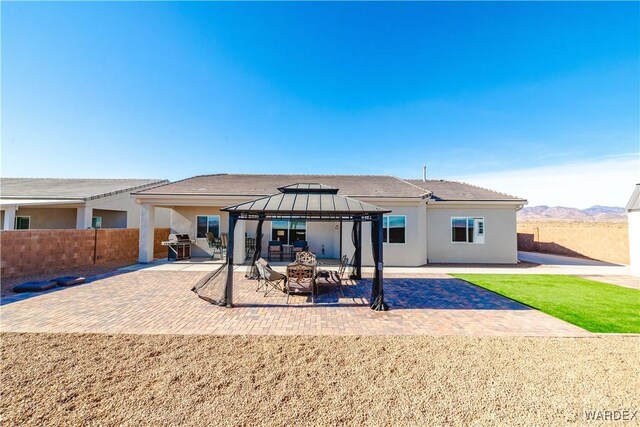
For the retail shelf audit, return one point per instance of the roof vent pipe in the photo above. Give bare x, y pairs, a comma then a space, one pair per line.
424, 174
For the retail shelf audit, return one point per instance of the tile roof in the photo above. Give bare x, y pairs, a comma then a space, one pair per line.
265, 185
460, 191
77, 189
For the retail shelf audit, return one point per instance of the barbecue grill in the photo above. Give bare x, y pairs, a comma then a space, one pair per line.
179, 246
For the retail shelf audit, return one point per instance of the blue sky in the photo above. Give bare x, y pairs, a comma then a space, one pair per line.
472, 90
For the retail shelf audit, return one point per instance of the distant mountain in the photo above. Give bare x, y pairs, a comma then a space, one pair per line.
559, 213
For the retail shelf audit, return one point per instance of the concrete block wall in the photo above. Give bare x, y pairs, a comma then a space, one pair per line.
25, 252
605, 241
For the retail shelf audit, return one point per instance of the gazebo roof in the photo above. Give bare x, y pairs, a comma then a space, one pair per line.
306, 200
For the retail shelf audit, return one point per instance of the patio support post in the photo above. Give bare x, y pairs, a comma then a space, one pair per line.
84, 215
233, 219
377, 289
147, 227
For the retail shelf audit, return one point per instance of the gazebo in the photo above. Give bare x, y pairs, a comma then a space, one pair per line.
311, 202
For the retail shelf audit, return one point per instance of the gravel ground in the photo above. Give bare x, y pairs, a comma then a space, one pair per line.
58, 379
91, 270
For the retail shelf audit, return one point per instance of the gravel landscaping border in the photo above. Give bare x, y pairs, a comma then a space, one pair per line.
74, 379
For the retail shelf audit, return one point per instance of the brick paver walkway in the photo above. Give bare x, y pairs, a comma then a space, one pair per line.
160, 302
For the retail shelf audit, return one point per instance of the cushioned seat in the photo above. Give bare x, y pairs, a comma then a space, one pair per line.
35, 286
69, 280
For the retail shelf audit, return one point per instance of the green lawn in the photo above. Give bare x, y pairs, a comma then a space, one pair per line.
594, 306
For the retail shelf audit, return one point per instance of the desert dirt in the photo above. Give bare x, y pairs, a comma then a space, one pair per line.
59, 379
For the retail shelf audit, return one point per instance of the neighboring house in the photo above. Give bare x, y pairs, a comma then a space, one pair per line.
431, 221
46, 203
633, 214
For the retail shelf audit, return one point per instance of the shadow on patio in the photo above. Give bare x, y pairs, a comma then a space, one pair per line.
400, 294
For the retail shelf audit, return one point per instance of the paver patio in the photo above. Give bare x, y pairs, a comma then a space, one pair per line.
160, 302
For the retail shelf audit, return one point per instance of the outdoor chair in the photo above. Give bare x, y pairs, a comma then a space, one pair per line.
215, 245
301, 280
299, 246
330, 278
224, 241
269, 279
275, 249
249, 245
306, 257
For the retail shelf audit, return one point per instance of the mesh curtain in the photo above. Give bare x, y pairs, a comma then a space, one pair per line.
355, 238
252, 271
212, 287
377, 291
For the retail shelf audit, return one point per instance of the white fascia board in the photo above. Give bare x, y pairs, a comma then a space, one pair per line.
170, 200
41, 202
228, 200
476, 203
391, 201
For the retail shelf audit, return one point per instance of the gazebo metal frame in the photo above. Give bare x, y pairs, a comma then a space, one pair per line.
313, 202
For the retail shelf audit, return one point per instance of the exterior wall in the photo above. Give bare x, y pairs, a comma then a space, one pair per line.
124, 202
48, 251
428, 234
634, 241
500, 245
605, 241
111, 219
117, 211
412, 253
183, 220
49, 218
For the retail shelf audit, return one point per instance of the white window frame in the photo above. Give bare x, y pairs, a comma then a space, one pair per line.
15, 222
207, 215
406, 226
466, 219
98, 218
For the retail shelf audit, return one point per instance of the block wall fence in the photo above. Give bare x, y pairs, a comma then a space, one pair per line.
604, 241
42, 251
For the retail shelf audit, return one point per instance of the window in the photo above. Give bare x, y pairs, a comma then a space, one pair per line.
207, 223
467, 230
394, 227
23, 222
288, 231
96, 222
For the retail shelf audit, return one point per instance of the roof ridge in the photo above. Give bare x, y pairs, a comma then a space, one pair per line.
87, 179
474, 186
146, 186
427, 192
287, 174
488, 189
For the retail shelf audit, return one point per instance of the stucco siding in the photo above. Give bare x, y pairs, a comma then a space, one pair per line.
412, 253
111, 218
124, 202
49, 218
183, 220
500, 246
